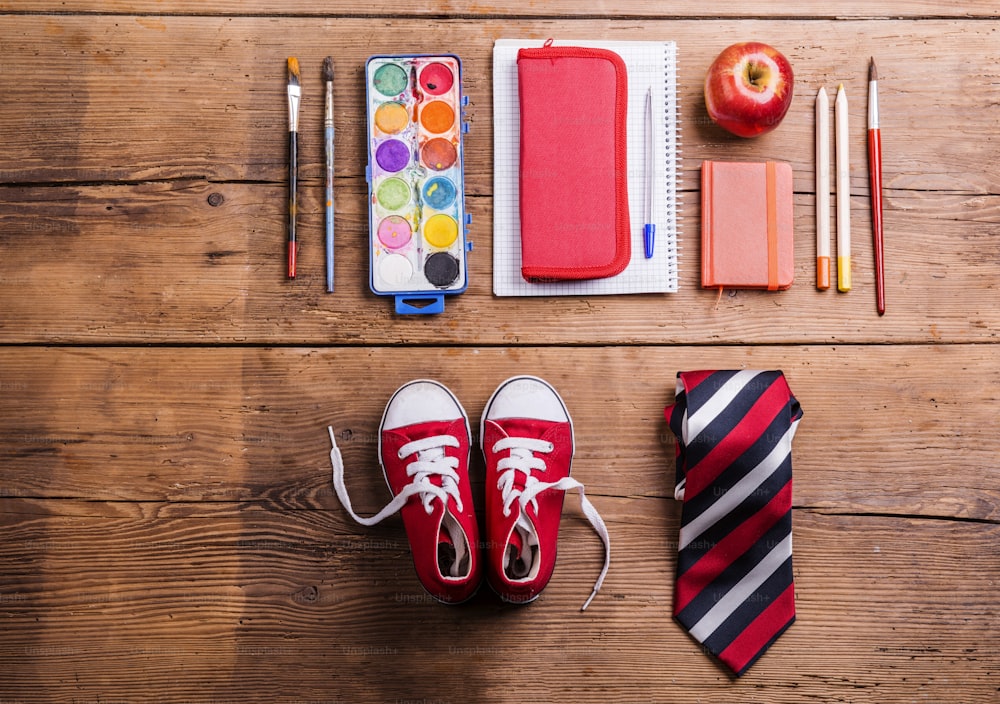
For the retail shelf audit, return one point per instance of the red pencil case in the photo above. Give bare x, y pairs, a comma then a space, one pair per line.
573, 169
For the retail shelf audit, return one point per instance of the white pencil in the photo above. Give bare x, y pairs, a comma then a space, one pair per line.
843, 193
822, 190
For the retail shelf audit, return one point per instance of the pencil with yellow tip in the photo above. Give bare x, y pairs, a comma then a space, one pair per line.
843, 192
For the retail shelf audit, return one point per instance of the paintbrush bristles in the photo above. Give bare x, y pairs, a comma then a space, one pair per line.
328, 69
872, 73
294, 94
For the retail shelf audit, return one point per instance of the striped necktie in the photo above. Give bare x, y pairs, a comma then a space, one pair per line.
734, 590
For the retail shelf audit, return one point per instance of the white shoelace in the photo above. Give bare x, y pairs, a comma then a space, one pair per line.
522, 459
431, 461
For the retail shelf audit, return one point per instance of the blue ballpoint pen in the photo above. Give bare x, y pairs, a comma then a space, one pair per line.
649, 231
328, 133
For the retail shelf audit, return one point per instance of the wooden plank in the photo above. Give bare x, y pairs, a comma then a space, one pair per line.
205, 96
175, 602
888, 429
177, 271
916, 9
158, 262
223, 116
169, 531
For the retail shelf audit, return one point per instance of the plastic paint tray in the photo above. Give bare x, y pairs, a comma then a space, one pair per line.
417, 222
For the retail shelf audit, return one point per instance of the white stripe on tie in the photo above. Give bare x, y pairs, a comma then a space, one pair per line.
742, 590
739, 492
717, 403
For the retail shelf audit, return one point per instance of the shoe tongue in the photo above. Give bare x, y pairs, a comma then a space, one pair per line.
516, 542
446, 554
520, 548
524, 427
452, 550
416, 431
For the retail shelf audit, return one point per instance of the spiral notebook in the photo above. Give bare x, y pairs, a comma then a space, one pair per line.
652, 66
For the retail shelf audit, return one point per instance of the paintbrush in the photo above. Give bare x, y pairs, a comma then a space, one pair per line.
328, 133
294, 96
875, 176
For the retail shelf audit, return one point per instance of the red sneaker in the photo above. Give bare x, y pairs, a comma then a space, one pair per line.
527, 438
424, 452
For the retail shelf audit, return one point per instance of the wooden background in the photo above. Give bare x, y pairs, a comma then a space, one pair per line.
168, 530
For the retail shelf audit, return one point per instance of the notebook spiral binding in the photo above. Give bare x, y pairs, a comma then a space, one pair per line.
672, 118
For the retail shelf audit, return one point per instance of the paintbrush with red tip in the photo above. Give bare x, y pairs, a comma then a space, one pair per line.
875, 178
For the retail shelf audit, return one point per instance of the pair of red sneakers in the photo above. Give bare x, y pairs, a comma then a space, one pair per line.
526, 436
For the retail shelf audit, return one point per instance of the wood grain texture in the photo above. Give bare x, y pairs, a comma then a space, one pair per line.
888, 429
157, 262
205, 97
832, 9
108, 179
222, 602
168, 529
218, 83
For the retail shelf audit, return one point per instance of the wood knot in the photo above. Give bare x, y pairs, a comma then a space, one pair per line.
306, 595
216, 199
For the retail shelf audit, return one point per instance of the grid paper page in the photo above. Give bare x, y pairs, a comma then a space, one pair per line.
651, 66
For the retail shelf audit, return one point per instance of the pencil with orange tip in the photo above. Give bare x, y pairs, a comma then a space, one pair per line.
294, 96
822, 190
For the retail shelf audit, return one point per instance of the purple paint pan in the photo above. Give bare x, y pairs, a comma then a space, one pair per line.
392, 155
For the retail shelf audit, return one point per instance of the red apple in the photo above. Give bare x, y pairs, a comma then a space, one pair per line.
748, 88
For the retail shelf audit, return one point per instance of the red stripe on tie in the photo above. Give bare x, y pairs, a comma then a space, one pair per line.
731, 548
738, 441
755, 638
692, 379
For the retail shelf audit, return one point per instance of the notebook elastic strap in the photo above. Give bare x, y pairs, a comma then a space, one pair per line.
772, 228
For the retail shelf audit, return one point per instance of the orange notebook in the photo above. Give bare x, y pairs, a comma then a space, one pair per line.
746, 225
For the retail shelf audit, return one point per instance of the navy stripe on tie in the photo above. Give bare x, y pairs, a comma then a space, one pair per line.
748, 486
694, 506
750, 609
723, 424
697, 548
674, 421
740, 566
709, 386
736, 605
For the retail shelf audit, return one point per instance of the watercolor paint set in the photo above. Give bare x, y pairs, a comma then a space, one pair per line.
416, 187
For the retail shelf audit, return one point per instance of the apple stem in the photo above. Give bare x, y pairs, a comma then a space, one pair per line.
757, 75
